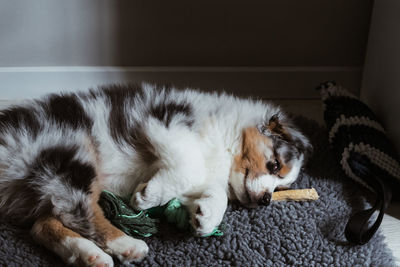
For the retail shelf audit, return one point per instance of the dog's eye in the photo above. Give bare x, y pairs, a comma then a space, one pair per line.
273, 167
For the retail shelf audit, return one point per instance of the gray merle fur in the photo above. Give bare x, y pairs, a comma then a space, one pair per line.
116, 97
60, 160
165, 111
66, 111
19, 118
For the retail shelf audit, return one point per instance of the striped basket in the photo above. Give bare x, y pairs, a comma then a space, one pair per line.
365, 154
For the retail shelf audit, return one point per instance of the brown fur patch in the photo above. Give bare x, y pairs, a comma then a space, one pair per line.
274, 125
104, 229
284, 170
50, 231
251, 157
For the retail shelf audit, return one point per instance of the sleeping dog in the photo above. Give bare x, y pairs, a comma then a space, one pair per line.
59, 152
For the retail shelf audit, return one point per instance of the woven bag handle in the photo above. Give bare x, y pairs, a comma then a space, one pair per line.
357, 229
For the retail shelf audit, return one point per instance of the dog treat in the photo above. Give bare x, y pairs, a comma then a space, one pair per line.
295, 195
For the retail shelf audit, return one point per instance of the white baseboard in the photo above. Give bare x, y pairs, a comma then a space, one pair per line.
266, 82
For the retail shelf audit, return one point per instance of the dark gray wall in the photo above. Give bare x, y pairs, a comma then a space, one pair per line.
381, 79
183, 33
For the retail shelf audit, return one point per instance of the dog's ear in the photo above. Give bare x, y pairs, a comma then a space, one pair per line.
281, 128
274, 124
271, 126
299, 141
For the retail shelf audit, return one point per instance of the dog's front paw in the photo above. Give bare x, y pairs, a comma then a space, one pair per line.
128, 249
206, 214
84, 252
145, 197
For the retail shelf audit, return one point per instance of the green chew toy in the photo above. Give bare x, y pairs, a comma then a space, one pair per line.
125, 218
144, 223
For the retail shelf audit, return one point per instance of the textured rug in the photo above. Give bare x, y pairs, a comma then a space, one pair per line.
282, 234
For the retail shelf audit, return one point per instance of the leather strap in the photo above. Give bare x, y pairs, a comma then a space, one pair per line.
358, 229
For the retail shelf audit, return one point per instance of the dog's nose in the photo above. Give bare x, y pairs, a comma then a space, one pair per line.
265, 200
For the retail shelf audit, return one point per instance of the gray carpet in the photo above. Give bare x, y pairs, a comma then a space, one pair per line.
282, 234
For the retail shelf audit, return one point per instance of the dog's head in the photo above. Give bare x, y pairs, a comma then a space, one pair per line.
271, 157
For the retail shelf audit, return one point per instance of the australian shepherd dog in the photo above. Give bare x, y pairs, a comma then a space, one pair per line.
58, 153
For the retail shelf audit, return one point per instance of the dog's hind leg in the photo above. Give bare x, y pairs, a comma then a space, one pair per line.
69, 245
127, 249
81, 234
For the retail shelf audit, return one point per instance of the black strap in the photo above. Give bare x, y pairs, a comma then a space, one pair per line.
357, 228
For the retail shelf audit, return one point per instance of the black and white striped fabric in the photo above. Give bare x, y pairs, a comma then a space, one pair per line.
365, 154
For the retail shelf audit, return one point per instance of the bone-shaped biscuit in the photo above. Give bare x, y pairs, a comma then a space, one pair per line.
295, 195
